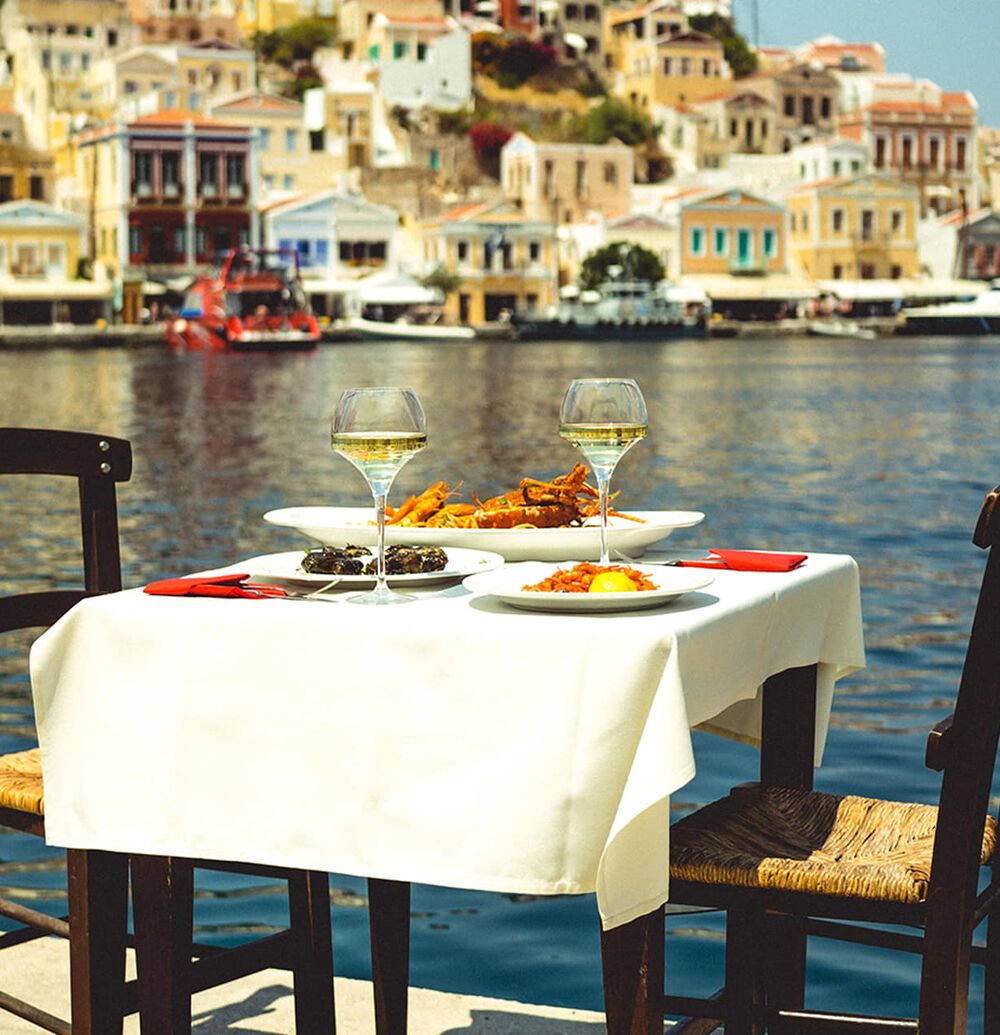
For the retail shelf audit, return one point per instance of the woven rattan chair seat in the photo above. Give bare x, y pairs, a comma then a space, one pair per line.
21, 782
807, 841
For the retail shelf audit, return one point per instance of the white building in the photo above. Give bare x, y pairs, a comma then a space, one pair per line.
339, 238
421, 62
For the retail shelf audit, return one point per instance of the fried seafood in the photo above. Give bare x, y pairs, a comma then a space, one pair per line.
565, 500
578, 578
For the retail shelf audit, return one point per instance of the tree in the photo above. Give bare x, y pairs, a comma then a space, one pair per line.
738, 54
613, 118
296, 43
442, 279
633, 262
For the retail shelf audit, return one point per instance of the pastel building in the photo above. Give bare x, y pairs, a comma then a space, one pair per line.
561, 183
860, 228
506, 259
732, 232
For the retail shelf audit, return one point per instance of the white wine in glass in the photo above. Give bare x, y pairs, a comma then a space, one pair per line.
603, 417
378, 430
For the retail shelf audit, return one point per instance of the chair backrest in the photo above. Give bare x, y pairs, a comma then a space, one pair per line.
967, 746
98, 462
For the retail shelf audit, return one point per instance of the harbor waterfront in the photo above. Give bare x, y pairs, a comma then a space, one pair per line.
878, 450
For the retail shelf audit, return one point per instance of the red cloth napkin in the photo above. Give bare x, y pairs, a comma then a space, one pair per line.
747, 560
213, 586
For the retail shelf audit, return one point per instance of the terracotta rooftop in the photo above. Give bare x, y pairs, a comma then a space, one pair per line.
177, 117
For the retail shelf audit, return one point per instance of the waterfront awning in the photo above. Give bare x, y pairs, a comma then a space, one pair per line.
395, 289
863, 290
902, 288
775, 287
55, 290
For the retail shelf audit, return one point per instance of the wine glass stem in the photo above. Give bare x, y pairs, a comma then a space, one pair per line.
381, 586
603, 475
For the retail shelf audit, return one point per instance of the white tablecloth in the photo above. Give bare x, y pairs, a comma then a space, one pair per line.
454, 741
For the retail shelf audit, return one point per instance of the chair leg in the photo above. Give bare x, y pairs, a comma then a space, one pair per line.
784, 961
632, 958
163, 915
98, 913
309, 914
744, 973
389, 924
991, 977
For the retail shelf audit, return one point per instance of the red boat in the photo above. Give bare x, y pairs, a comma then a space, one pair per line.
253, 300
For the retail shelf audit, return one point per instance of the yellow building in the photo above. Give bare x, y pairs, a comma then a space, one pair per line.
658, 60
40, 251
863, 228
287, 166
356, 17
732, 231
24, 173
506, 260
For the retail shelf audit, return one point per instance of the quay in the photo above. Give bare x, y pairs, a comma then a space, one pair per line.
263, 1003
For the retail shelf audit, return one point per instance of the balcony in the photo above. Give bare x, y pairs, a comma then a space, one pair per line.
751, 267
28, 269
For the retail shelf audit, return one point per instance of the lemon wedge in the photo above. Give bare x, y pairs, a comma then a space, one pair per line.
612, 582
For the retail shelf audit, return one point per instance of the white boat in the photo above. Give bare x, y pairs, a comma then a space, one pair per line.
841, 329
981, 315
404, 330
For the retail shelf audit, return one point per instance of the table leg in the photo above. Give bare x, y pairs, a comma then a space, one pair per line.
163, 914
632, 958
788, 739
389, 925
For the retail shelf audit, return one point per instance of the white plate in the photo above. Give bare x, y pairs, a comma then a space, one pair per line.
340, 526
286, 567
507, 584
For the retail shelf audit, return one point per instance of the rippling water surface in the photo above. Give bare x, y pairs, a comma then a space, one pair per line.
880, 450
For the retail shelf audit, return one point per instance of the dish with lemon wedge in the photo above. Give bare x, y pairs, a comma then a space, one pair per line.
585, 587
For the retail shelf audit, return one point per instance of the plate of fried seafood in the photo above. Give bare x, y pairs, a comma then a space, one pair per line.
552, 520
586, 587
354, 565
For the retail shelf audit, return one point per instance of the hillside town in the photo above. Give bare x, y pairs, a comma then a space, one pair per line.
474, 155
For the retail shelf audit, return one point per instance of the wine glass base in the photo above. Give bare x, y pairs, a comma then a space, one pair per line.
373, 596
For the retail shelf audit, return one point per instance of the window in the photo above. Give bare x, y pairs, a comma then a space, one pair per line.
84, 62
685, 66
135, 240
808, 115
236, 78
434, 158
288, 182
208, 174
697, 240
855, 166
373, 52
837, 219
235, 176
668, 66
200, 240
317, 140
867, 224
720, 241
793, 222
180, 242
243, 237
610, 173
706, 67
907, 152
581, 178
895, 272
836, 167
934, 152
37, 188
268, 182
880, 152
896, 221
867, 271
112, 37
960, 149
534, 251
421, 51
769, 243
192, 77
399, 50
734, 128
462, 251
805, 222
824, 107
222, 239
548, 170
789, 107
170, 169
264, 137
322, 251
143, 173
838, 271
291, 139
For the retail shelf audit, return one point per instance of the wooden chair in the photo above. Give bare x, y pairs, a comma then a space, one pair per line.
789, 862
98, 881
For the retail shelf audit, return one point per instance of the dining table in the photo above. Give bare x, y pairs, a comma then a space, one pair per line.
455, 741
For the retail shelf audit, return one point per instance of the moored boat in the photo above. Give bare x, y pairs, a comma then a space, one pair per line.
841, 329
981, 315
617, 309
252, 300
405, 330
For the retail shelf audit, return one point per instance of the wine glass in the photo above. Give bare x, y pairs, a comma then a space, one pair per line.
378, 430
603, 417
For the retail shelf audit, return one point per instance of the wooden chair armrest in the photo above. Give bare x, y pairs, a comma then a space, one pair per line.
938, 741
